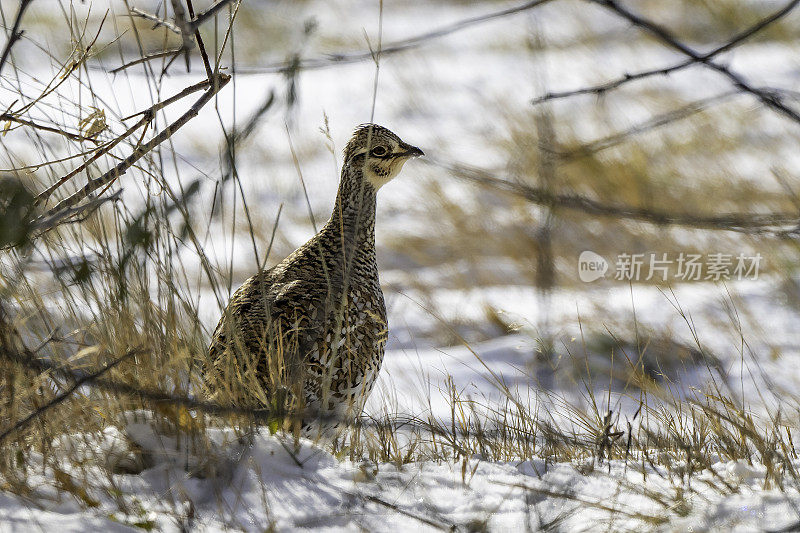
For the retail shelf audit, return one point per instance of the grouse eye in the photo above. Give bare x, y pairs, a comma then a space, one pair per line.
379, 151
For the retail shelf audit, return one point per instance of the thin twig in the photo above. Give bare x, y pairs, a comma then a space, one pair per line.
16, 34
13, 350
570, 496
66, 70
83, 380
396, 508
200, 45
207, 14
44, 195
144, 59
27, 359
164, 103
42, 127
155, 19
50, 162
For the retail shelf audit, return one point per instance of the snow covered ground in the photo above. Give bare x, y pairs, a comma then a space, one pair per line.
273, 484
270, 482
446, 97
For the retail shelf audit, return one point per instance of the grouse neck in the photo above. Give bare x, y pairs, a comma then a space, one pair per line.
353, 218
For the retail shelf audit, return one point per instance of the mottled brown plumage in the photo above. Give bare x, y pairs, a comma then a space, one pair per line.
308, 335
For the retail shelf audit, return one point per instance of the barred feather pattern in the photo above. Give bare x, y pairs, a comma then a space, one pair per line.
309, 334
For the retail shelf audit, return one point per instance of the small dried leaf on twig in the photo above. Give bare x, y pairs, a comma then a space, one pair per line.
140, 151
94, 123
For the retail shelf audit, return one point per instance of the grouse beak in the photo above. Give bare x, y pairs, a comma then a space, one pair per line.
410, 151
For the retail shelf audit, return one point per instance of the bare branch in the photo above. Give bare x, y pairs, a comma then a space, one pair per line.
186, 27
663, 71
353, 57
771, 99
655, 122
76, 214
392, 48
216, 84
186, 31
147, 116
755, 28
44, 195
603, 88
28, 360
738, 222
